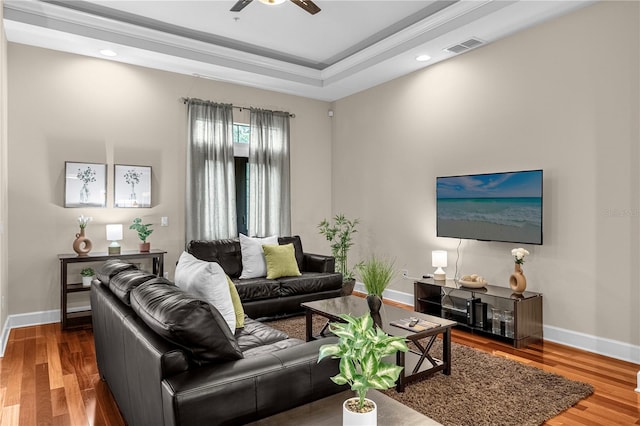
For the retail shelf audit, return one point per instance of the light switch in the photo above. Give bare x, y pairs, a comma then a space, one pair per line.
164, 221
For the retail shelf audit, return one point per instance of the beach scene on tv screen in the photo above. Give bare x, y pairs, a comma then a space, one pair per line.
493, 207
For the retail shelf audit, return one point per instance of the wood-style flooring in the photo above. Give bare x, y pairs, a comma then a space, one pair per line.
50, 377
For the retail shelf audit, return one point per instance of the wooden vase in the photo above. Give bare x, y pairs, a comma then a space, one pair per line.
518, 281
145, 247
82, 245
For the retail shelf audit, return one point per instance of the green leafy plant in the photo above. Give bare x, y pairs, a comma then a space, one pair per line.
361, 348
340, 234
87, 272
144, 230
376, 274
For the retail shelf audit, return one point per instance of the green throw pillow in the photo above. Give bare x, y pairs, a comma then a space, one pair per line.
237, 304
281, 261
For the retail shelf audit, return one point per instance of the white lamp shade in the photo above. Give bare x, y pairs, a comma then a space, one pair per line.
439, 259
114, 232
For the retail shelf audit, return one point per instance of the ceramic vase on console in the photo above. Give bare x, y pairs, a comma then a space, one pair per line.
82, 245
518, 281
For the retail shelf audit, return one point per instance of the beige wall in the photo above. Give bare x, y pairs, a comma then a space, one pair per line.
3, 171
65, 107
562, 97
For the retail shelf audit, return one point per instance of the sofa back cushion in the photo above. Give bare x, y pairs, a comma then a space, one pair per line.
125, 281
186, 321
297, 245
110, 268
225, 252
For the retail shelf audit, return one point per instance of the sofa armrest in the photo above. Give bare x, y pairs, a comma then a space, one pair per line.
318, 263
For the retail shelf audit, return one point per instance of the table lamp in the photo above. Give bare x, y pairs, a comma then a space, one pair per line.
439, 261
114, 234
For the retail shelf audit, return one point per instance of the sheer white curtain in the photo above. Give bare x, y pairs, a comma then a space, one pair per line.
269, 185
211, 196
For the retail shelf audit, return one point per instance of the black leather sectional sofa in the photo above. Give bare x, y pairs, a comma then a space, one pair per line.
262, 297
169, 358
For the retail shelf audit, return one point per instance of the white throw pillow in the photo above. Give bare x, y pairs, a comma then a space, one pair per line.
253, 262
206, 280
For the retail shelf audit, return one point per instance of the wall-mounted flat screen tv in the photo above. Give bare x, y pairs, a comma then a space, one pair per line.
491, 207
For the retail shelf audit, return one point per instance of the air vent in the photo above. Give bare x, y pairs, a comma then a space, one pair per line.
465, 45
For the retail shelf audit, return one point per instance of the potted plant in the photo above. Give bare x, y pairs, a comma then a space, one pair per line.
340, 233
87, 276
361, 348
376, 274
144, 230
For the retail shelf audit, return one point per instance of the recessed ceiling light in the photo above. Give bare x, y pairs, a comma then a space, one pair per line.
108, 52
423, 58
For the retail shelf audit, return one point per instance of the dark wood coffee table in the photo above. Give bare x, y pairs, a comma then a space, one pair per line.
415, 367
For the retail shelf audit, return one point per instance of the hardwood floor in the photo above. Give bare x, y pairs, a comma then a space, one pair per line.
50, 377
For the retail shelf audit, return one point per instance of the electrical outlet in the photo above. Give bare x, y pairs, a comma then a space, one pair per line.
405, 273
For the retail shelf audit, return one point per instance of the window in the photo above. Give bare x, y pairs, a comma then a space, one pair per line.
241, 136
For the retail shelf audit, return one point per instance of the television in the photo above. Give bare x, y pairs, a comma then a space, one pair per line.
491, 207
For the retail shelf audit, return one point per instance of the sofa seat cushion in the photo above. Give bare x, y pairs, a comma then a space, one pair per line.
190, 323
124, 282
309, 282
256, 333
273, 347
257, 288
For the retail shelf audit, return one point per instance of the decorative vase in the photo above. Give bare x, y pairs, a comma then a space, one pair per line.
82, 245
374, 302
347, 287
518, 281
145, 247
352, 418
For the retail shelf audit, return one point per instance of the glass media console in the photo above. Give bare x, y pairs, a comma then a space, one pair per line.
492, 311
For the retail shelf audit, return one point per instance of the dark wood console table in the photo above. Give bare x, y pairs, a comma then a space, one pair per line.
83, 318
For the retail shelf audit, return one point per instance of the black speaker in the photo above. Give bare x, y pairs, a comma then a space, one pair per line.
471, 302
480, 314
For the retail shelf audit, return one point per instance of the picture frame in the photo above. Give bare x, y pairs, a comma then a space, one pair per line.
132, 186
85, 184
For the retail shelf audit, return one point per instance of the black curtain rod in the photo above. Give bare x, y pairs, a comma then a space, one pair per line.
185, 100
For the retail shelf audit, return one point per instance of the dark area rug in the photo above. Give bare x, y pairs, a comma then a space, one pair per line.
482, 389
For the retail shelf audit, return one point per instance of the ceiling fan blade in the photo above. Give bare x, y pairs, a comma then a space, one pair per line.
307, 5
240, 5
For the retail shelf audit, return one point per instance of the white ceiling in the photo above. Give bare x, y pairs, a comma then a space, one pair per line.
347, 47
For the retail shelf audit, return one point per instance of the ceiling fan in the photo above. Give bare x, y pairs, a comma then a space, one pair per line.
307, 5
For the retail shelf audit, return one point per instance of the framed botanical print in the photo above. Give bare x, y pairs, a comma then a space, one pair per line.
132, 186
85, 184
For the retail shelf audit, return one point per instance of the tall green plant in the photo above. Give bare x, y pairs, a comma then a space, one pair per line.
361, 348
340, 234
376, 274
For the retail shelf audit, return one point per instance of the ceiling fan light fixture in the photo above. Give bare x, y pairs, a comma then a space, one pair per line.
272, 2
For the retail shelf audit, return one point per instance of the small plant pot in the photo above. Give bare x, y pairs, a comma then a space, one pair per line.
145, 247
86, 281
351, 418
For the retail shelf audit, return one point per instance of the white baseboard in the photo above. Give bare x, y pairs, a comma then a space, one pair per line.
30, 319
599, 345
